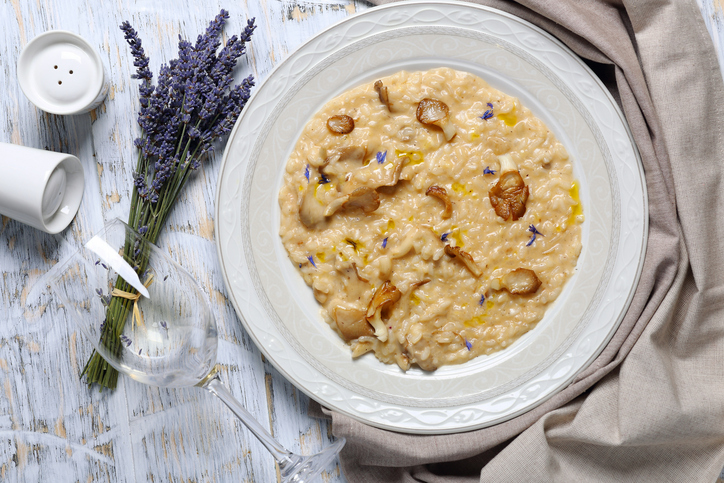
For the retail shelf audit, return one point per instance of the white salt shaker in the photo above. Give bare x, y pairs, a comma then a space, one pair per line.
40, 188
61, 73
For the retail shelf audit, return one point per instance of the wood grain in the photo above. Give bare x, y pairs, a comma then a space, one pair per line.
52, 426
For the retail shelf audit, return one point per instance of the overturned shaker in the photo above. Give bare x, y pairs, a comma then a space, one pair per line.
40, 188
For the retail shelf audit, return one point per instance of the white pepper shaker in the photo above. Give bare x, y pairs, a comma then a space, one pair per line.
40, 188
61, 73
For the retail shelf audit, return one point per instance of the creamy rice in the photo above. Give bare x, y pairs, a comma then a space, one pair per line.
445, 314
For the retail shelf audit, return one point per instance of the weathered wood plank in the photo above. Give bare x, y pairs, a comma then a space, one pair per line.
52, 427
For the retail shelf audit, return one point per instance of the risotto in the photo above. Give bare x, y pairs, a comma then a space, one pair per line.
434, 217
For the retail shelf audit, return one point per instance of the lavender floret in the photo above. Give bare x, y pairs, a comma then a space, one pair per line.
487, 170
487, 114
445, 235
384, 242
306, 173
311, 260
381, 157
535, 232
126, 340
468, 344
482, 299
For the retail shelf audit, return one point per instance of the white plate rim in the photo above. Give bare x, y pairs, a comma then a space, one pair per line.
304, 385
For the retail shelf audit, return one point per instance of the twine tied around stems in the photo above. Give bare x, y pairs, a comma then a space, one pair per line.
137, 315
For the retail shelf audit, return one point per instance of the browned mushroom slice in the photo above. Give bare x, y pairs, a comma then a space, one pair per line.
365, 198
352, 323
509, 196
465, 259
384, 298
440, 193
419, 284
311, 210
436, 112
340, 124
521, 281
382, 93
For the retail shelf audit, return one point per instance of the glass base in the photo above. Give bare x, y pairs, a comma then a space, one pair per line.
304, 469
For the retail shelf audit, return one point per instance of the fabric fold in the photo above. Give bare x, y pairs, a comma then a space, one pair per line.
651, 406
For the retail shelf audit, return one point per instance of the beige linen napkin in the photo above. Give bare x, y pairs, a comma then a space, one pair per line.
651, 406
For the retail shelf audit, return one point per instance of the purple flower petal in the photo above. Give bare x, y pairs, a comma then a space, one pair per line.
487, 170
306, 173
384, 242
535, 232
311, 260
487, 114
381, 157
482, 299
445, 235
468, 344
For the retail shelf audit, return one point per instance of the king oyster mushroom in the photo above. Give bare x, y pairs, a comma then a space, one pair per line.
340, 124
352, 323
440, 193
464, 258
311, 210
383, 299
520, 281
436, 112
383, 95
339, 165
510, 194
365, 198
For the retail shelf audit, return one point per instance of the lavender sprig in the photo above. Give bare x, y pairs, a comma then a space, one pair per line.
193, 104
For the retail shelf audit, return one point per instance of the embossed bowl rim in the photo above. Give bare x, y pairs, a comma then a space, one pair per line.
249, 266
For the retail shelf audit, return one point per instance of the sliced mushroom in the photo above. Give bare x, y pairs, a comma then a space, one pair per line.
340, 124
352, 323
384, 298
521, 281
440, 193
382, 93
419, 284
464, 258
510, 193
436, 112
340, 164
311, 210
365, 198
356, 288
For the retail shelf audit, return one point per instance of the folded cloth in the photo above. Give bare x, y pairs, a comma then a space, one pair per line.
651, 406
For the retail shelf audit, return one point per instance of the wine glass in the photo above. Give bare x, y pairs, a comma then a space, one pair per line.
167, 335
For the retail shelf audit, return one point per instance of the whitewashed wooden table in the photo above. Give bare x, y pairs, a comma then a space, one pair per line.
52, 426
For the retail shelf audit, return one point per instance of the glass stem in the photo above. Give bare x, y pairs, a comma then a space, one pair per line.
284, 458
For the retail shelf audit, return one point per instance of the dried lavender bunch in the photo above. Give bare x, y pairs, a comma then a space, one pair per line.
193, 104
